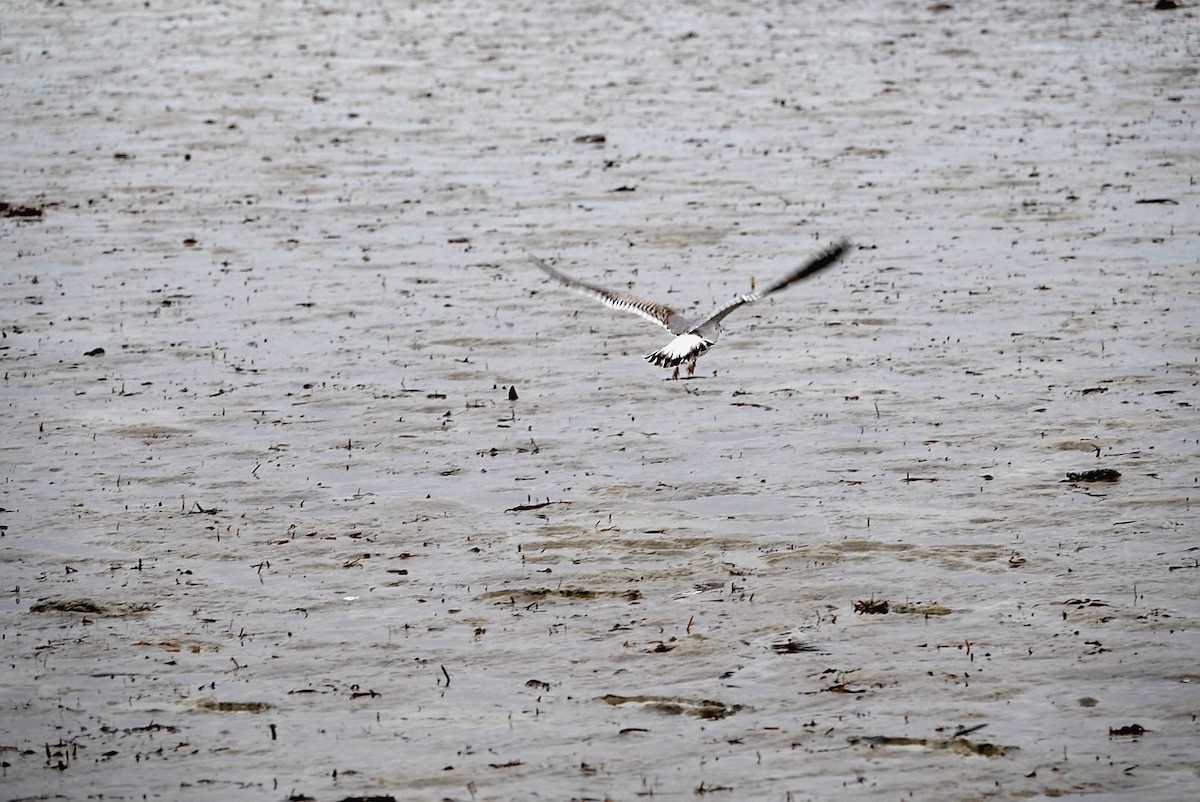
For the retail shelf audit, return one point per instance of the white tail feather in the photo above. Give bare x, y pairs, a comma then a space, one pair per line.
683, 348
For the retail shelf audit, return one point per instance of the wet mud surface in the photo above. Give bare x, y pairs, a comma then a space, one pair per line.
274, 525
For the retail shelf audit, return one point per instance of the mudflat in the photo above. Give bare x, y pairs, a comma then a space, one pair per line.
314, 487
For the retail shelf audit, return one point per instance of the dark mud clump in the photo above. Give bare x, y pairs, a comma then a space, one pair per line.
68, 606
871, 607
214, 706
669, 706
89, 607
20, 212
1095, 475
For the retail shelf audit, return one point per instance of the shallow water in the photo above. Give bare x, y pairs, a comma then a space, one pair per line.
287, 536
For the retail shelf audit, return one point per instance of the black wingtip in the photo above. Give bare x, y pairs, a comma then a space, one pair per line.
826, 258
832, 254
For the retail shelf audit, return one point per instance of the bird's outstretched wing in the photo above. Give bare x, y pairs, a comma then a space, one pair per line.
815, 265
664, 316
824, 259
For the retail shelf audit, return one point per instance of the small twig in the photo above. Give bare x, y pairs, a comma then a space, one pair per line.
967, 730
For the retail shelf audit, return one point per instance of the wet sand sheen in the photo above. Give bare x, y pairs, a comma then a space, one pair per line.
273, 524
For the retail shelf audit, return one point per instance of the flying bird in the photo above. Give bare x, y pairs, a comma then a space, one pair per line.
693, 337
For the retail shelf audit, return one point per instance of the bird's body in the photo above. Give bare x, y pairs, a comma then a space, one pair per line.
692, 337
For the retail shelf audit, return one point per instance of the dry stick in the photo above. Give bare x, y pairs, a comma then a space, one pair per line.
447, 673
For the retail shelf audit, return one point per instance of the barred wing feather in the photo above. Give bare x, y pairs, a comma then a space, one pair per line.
664, 316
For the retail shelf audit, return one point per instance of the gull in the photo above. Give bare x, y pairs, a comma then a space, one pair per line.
693, 337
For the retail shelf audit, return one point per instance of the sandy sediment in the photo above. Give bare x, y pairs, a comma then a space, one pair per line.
273, 528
